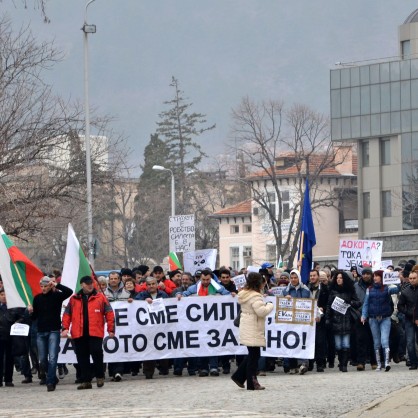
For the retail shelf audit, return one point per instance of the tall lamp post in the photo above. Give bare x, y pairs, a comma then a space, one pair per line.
173, 201
88, 29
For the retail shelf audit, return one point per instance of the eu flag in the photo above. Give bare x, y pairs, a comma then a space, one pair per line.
307, 237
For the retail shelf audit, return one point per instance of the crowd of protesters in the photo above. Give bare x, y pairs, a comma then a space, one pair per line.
379, 325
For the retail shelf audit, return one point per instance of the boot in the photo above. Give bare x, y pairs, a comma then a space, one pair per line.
344, 357
378, 362
340, 360
257, 385
387, 359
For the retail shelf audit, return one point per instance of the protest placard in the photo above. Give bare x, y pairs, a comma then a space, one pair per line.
157, 305
18, 329
182, 233
199, 260
239, 281
364, 253
391, 277
277, 291
339, 305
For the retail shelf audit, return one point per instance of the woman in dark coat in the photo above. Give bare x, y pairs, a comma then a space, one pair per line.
339, 318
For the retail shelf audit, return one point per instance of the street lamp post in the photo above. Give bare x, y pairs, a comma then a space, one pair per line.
173, 201
88, 29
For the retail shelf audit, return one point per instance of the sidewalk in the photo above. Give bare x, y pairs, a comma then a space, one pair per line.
399, 404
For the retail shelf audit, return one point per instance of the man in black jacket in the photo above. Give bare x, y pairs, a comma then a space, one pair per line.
406, 305
47, 310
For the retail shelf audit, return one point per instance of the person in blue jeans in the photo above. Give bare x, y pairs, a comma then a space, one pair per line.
47, 310
377, 309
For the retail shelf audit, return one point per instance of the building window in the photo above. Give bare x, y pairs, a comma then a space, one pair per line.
235, 258
272, 202
365, 154
234, 229
247, 256
247, 229
385, 151
386, 204
271, 253
285, 204
366, 205
406, 49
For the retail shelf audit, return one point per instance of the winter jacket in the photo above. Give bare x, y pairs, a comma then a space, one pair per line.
300, 291
169, 286
361, 289
99, 309
407, 301
378, 301
252, 322
119, 294
145, 295
47, 308
10, 316
341, 323
193, 289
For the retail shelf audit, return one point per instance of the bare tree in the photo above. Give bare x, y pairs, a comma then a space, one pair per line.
278, 143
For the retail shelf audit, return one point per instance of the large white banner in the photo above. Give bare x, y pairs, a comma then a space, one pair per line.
364, 253
199, 327
181, 233
199, 259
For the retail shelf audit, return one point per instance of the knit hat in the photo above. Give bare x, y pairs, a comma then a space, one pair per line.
126, 272
142, 268
367, 270
171, 274
284, 274
44, 281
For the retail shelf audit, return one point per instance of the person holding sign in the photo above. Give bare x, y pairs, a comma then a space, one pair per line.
378, 308
251, 330
342, 297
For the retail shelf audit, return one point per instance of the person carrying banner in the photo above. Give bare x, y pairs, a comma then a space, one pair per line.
251, 330
342, 297
86, 314
378, 309
46, 310
296, 289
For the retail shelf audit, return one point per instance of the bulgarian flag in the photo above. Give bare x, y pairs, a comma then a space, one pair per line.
213, 287
76, 264
20, 276
174, 262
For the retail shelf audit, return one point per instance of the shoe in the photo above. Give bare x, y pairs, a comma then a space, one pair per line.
50, 388
100, 382
303, 369
413, 367
320, 369
241, 385
163, 372
214, 372
177, 373
42, 382
331, 365
374, 366
118, 377
85, 385
134, 374
360, 367
27, 380
203, 373
408, 363
294, 371
61, 373
148, 376
9, 384
286, 369
257, 385
226, 371
192, 373
261, 373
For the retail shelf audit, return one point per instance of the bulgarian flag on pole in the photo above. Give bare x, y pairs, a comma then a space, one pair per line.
174, 261
76, 265
20, 276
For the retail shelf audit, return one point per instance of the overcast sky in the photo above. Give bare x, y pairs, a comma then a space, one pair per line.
220, 51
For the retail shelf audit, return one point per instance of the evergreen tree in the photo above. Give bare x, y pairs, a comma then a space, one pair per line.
179, 127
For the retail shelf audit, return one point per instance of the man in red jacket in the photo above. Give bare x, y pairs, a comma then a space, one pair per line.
86, 312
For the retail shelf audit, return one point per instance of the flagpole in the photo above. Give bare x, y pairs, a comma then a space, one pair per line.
302, 237
21, 283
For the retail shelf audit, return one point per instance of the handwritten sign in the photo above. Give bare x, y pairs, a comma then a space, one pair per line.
277, 291
239, 281
340, 306
157, 305
364, 253
182, 233
295, 310
21, 330
391, 277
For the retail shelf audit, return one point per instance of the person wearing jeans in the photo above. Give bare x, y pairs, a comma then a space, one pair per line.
377, 309
47, 310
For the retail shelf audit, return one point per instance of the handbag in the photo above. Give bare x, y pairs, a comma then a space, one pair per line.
237, 320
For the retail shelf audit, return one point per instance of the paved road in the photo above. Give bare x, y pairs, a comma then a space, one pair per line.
329, 394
